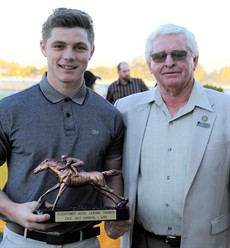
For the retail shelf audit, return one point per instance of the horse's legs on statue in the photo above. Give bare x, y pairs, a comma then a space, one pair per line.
110, 191
48, 191
61, 190
105, 192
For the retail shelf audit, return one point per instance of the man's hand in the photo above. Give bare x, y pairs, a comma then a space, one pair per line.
115, 229
24, 215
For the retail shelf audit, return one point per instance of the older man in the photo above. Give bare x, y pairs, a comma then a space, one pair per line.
177, 151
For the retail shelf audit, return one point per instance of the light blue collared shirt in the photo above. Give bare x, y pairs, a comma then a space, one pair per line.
164, 160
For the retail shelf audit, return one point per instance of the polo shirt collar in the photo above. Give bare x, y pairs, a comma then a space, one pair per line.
54, 96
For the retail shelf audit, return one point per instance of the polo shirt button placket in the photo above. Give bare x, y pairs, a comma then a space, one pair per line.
69, 125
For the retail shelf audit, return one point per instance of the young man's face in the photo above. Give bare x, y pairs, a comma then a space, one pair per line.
68, 52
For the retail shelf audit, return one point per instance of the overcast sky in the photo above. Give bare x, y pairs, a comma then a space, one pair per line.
121, 28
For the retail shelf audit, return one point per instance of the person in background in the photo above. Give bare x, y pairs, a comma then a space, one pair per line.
176, 160
59, 116
90, 79
125, 85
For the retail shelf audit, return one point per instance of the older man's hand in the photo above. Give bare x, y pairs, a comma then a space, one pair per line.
115, 229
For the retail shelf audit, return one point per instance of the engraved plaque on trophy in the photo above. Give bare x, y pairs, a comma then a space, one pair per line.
69, 172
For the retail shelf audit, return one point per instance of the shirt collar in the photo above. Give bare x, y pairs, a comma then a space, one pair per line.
54, 96
198, 98
119, 81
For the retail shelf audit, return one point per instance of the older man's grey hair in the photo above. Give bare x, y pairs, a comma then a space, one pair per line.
171, 29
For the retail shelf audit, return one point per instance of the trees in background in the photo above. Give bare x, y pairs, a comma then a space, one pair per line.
213, 87
138, 69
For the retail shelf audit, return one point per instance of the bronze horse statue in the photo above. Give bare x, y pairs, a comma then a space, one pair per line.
69, 172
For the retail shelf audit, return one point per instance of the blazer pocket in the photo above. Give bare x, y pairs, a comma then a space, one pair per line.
220, 224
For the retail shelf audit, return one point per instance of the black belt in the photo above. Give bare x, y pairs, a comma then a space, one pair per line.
173, 241
56, 239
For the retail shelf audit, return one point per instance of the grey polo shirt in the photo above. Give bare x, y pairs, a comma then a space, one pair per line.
40, 123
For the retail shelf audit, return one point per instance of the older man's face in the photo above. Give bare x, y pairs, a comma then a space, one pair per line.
172, 74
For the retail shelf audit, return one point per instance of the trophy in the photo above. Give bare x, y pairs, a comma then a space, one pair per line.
69, 172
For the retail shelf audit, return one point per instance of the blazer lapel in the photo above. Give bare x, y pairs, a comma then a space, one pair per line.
135, 133
203, 122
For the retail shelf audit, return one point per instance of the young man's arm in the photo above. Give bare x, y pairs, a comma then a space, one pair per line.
115, 229
22, 213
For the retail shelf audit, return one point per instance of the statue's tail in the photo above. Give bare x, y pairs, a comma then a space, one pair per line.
111, 173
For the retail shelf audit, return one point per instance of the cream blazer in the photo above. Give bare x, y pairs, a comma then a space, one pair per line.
206, 212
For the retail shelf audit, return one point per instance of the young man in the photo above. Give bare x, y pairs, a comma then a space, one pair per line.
59, 116
176, 151
125, 85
